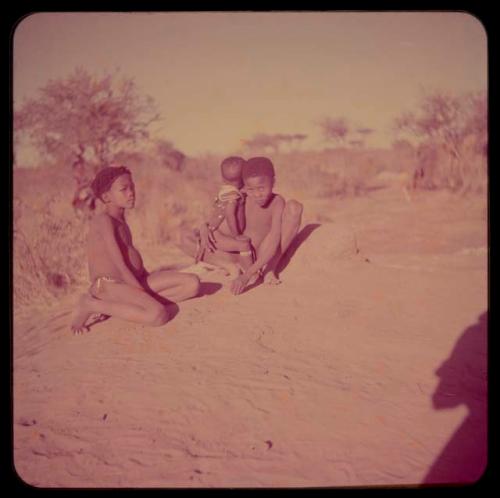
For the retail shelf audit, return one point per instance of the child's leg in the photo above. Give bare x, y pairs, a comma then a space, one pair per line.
174, 285
122, 301
222, 258
228, 243
241, 243
290, 224
227, 261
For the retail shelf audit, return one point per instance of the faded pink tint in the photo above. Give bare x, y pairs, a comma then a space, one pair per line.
358, 359
220, 78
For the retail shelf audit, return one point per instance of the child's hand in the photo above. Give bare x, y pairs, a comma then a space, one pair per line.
239, 284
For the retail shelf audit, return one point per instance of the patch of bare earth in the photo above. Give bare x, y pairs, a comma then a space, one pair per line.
324, 380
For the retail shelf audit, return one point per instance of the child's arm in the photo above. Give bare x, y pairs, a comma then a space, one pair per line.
207, 238
271, 241
106, 229
230, 215
215, 218
267, 249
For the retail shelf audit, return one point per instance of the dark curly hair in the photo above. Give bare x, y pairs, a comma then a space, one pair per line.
105, 178
257, 166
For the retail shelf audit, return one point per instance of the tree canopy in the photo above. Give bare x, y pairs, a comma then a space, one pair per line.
84, 117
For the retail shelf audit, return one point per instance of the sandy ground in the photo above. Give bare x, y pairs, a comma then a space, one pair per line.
326, 380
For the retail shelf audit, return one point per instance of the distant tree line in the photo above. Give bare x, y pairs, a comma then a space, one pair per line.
84, 121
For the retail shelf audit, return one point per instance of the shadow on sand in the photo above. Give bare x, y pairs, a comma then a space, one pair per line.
299, 239
463, 380
209, 288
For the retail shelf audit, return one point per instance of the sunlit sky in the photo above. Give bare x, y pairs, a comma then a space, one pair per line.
219, 77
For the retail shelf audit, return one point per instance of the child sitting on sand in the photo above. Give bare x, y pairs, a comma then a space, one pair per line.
121, 286
225, 224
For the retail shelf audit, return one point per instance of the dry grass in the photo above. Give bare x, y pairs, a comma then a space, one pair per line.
49, 249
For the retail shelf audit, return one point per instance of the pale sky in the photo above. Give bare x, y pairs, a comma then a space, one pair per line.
220, 77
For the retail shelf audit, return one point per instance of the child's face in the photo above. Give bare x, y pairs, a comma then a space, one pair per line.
122, 192
259, 188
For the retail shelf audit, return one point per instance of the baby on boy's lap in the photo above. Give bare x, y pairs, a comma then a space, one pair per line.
223, 229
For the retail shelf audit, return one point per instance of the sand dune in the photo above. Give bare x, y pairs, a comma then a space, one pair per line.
325, 380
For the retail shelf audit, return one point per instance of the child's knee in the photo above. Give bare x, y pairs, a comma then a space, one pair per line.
157, 316
192, 285
294, 208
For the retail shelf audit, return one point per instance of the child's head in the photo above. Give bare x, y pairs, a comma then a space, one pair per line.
258, 177
114, 185
231, 170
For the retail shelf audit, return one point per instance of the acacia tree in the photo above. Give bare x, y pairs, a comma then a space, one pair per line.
265, 141
335, 129
83, 120
448, 122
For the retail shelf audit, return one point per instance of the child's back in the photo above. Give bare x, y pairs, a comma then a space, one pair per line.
230, 208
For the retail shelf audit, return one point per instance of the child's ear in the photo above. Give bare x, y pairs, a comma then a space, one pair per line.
105, 197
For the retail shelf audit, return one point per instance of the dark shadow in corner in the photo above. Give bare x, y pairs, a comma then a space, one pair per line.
463, 379
299, 239
209, 288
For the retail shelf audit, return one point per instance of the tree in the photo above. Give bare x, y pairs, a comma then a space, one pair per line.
476, 125
448, 122
83, 120
363, 134
262, 141
273, 142
170, 157
357, 144
336, 129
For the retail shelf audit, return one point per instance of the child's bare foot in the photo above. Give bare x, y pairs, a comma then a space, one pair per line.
96, 318
81, 315
271, 278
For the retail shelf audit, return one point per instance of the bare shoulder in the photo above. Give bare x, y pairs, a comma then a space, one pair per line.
101, 222
278, 202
